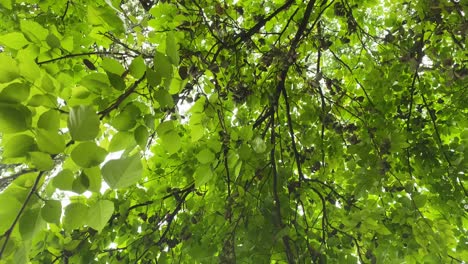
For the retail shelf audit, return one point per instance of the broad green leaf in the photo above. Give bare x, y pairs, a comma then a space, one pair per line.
52, 211
46, 100
53, 41
196, 132
83, 123
41, 161
88, 154
164, 98
141, 135
94, 178
137, 67
162, 66
97, 83
14, 118
123, 121
14, 40
205, 156
202, 175
80, 184
126, 119
258, 145
33, 30
165, 127
171, 142
48, 84
112, 66
49, 120
121, 140
123, 172
31, 223
15, 93
152, 77
18, 146
10, 208
172, 48
64, 180
76, 215
8, 68
99, 214
420, 200
8, 4
30, 70
50, 141
105, 16
116, 81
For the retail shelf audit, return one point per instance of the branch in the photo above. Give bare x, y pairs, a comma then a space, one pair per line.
277, 203
246, 35
121, 98
9, 231
82, 54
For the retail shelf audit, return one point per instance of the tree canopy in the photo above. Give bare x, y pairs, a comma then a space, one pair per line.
233, 131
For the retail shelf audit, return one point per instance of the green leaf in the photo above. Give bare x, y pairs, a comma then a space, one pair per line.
196, 132
116, 81
93, 176
8, 68
141, 135
137, 67
7, 4
172, 48
88, 154
171, 142
50, 141
258, 145
75, 216
96, 82
10, 208
121, 140
105, 16
99, 214
53, 41
205, 156
83, 123
49, 120
14, 40
123, 172
15, 93
14, 118
152, 77
18, 146
48, 84
80, 184
33, 30
420, 200
64, 180
162, 67
31, 223
41, 160
112, 66
30, 70
52, 211
126, 119
164, 98
202, 175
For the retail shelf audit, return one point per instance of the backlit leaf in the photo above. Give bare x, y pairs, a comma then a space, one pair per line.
51, 211
14, 118
88, 154
83, 123
123, 172
75, 216
99, 214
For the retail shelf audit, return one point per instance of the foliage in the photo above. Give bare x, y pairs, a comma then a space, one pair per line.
233, 131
